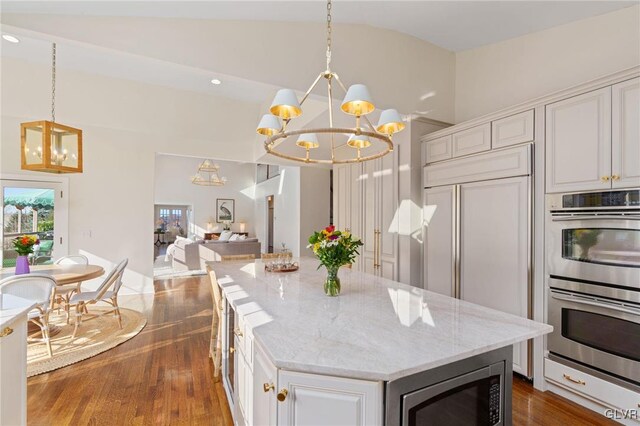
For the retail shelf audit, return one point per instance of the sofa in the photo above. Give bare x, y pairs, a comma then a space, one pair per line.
188, 255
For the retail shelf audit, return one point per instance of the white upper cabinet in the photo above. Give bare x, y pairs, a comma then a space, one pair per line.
470, 141
625, 141
438, 150
512, 130
312, 399
578, 142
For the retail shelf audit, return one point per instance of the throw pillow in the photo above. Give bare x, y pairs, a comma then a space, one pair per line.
225, 235
234, 237
242, 237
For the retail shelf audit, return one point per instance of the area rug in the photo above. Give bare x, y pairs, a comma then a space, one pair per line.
164, 270
95, 335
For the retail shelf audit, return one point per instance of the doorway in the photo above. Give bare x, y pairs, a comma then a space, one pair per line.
270, 219
37, 208
171, 221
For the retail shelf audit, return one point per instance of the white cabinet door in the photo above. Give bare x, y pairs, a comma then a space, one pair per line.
387, 204
369, 218
326, 400
494, 249
625, 141
341, 196
438, 149
265, 387
439, 239
470, 141
243, 377
13, 380
578, 138
512, 130
355, 209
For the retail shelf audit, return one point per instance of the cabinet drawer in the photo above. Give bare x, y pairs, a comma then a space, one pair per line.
470, 141
512, 130
599, 390
437, 150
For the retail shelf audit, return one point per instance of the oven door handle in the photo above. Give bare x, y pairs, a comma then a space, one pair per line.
594, 303
593, 217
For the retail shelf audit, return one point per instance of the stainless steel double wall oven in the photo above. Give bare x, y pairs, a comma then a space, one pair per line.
593, 250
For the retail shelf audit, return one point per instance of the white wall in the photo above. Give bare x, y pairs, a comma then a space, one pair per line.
125, 124
503, 74
173, 186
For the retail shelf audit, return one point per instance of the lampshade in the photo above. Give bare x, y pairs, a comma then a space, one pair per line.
390, 122
358, 101
308, 141
269, 125
285, 105
359, 141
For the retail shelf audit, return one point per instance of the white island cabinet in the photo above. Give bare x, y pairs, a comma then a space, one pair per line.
13, 359
294, 356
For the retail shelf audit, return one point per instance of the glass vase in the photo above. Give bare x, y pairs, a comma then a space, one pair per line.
332, 283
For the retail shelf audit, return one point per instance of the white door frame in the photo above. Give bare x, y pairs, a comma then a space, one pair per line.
61, 208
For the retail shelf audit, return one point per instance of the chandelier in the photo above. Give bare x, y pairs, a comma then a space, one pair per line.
347, 145
207, 175
48, 146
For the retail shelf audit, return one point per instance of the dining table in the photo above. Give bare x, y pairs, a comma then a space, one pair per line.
64, 275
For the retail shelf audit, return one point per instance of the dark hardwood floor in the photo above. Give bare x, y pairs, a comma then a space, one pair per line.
164, 375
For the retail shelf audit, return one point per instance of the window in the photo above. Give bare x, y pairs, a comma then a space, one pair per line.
266, 172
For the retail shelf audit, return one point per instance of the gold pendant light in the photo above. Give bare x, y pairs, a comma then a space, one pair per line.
347, 145
47, 146
207, 175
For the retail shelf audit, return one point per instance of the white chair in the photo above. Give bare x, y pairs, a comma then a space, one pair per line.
64, 292
106, 292
38, 288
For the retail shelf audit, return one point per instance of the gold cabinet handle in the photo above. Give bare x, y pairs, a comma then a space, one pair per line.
282, 395
615, 177
268, 386
6, 331
605, 178
232, 350
237, 332
576, 381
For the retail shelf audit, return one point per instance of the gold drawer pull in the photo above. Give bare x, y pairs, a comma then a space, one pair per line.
232, 350
237, 332
282, 395
615, 177
6, 331
268, 386
576, 381
605, 178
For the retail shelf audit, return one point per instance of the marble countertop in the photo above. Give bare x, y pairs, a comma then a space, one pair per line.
377, 329
12, 307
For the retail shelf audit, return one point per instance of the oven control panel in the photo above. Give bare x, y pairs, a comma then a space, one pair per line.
596, 200
494, 401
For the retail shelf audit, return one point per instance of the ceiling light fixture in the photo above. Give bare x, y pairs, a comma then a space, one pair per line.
10, 38
207, 175
216, 81
361, 143
48, 146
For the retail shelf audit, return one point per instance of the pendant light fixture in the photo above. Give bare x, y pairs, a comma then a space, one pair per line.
207, 175
47, 146
346, 145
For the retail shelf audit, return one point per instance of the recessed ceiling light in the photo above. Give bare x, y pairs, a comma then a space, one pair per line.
215, 81
10, 38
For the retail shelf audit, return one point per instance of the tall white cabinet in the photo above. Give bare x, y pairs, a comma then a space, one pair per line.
478, 233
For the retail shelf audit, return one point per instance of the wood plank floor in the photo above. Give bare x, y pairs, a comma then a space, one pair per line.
164, 375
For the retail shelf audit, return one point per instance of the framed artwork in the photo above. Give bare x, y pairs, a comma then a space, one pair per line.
225, 210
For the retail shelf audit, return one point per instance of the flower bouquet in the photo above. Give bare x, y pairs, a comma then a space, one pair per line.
334, 249
23, 245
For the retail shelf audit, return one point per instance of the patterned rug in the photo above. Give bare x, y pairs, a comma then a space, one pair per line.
95, 335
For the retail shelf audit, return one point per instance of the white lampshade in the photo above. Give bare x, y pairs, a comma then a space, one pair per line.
359, 141
308, 141
269, 125
358, 101
285, 105
390, 122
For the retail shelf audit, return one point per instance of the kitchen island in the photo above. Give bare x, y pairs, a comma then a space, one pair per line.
292, 355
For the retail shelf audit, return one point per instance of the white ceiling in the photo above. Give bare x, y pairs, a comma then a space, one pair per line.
453, 25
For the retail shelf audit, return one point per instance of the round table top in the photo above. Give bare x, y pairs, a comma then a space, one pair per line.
63, 274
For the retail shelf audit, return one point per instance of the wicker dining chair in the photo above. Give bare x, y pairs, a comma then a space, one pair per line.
215, 346
106, 292
270, 255
64, 292
38, 288
234, 257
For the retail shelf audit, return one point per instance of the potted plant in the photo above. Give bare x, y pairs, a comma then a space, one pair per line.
24, 247
334, 249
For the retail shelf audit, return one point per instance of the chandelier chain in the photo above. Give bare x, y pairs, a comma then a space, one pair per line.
328, 33
53, 84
